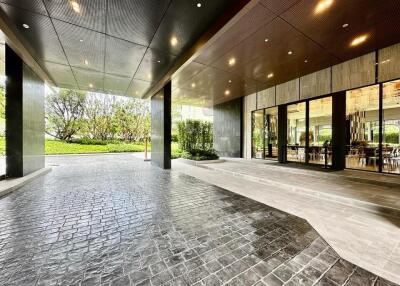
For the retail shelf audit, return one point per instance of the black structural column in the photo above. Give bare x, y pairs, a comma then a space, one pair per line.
25, 124
339, 131
282, 133
161, 128
228, 128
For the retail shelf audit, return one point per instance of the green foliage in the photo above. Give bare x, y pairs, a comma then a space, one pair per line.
392, 138
195, 135
199, 155
64, 113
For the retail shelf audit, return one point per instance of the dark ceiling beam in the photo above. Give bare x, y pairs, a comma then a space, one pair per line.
224, 22
13, 40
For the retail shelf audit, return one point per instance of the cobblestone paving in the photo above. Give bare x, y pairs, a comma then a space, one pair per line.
115, 220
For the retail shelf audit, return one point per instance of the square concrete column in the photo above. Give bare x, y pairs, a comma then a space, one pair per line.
339, 130
161, 128
25, 123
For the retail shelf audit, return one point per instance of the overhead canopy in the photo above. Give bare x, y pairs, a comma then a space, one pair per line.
121, 47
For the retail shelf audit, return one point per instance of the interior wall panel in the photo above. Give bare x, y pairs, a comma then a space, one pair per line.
389, 63
288, 92
354, 73
315, 84
266, 98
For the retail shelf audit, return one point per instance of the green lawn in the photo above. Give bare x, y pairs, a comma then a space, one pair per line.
61, 147
53, 147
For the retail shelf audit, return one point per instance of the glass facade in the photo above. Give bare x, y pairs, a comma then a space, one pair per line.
320, 131
257, 134
391, 127
362, 128
296, 132
372, 116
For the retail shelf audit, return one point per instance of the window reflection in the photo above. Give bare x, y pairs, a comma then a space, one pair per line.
391, 127
362, 128
296, 132
320, 131
258, 134
271, 132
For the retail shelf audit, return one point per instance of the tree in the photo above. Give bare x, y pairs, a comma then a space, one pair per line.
100, 117
133, 120
64, 113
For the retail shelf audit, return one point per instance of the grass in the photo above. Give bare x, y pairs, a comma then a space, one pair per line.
55, 147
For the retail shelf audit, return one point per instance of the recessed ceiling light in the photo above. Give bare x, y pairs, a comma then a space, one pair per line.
199, 5
271, 75
81, 40
26, 26
75, 6
136, 92
90, 85
322, 6
232, 61
358, 40
174, 41
158, 61
290, 52
227, 92
266, 40
345, 25
86, 62
306, 61
193, 85
230, 81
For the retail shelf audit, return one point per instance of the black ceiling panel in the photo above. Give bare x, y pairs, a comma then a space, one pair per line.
122, 57
89, 80
138, 88
35, 6
154, 65
61, 74
116, 84
86, 13
41, 38
84, 48
135, 20
186, 22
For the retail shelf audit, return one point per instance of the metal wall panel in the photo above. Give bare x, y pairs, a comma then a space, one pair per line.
33, 122
227, 128
316, 84
354, 73
389, 63
266, 98
288, 92
161, 128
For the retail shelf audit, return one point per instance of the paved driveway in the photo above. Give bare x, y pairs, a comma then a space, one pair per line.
115, 220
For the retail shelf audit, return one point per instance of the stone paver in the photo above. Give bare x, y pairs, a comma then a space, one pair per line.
115, 220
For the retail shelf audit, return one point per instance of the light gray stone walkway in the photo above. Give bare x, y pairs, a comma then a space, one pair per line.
367, 238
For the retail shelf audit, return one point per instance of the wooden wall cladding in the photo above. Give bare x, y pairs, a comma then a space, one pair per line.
288, 92
315, 84
266, 98
354, 73
389, 63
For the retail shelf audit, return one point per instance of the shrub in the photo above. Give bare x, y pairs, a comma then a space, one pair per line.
195, 134
199, 155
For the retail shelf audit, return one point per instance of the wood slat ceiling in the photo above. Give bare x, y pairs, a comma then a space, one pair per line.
316, 38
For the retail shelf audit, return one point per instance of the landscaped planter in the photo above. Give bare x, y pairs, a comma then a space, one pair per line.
196, 163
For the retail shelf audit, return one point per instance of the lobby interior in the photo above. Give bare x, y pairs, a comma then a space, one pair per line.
308, 89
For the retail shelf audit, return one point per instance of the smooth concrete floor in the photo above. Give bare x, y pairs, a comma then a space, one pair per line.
116, 220
368, 239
